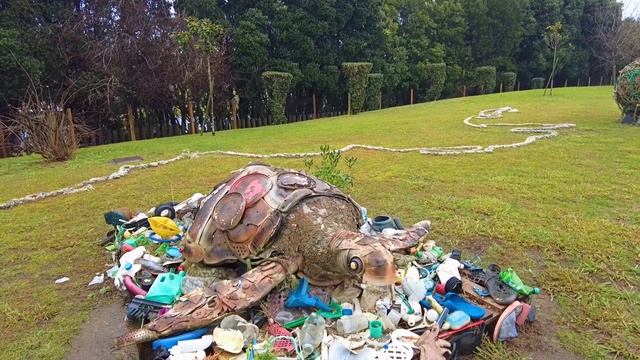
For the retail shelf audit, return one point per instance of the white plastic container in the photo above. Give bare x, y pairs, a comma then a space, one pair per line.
347, 325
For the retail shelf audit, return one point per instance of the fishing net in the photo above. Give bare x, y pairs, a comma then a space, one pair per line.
627, 91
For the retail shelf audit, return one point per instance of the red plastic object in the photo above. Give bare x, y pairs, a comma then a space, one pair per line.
440, 289
126, 248
131, 286
274, 329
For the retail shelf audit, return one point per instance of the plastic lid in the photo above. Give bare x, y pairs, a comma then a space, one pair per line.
128, 266
347, 312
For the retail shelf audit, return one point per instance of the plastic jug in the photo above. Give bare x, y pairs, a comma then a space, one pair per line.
131, 256
511, 278
413, 286
167, 288
312, 333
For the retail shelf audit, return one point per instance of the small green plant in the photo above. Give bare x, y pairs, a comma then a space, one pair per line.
328, 169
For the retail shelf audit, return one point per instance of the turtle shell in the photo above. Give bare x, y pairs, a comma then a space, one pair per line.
242, 215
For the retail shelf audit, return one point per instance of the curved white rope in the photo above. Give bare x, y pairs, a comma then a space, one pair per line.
541, 131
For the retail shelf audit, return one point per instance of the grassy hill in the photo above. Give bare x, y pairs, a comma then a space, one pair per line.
563, 212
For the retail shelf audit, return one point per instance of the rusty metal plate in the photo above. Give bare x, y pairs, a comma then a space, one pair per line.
295, 180
229, 210
252, 187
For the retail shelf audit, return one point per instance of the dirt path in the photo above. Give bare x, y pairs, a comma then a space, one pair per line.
95, 340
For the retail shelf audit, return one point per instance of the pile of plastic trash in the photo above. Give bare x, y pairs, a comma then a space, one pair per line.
457, 302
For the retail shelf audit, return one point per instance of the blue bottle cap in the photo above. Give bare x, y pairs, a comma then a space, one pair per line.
347, 312
128, 266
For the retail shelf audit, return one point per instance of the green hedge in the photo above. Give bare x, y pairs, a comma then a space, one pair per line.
356, 74
434, 77
537, 83
374, 86
508, 80
485, 77
277, 86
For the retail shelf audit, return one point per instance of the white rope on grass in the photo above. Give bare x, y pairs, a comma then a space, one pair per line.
541, 131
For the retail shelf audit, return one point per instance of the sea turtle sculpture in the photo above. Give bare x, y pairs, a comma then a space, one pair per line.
277, 222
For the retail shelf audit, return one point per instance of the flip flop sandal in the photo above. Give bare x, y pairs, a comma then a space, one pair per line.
499, 291
516, 307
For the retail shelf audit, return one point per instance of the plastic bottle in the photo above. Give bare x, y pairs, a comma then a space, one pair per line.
413, 286
352, 324
312, 333
511, 278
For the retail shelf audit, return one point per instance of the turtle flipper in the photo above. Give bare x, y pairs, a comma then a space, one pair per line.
202, 307
404, 239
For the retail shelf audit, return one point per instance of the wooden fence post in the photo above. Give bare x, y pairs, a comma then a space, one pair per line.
464, 90
132, 131
192, 119
589, 81
578, 82
380, 101
518, 85
411, 96
315, 110
600, 80
501, 87
349, 104
3, 151
566, 82
72, 131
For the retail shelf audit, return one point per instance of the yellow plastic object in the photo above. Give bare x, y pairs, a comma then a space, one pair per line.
164, 226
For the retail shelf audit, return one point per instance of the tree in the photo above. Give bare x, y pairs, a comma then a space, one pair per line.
614, 39
555, 40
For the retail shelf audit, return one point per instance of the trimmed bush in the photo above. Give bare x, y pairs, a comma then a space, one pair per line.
277, 86
374, 85
434, 77
485, 79
356, 74
537, 83
508, 80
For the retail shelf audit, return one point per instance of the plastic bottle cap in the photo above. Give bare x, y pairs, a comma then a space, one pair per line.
128, 266
347, 312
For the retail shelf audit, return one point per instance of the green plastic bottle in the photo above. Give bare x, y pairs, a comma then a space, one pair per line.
511, 278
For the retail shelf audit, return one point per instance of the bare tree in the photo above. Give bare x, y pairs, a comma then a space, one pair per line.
613, 39
555, 40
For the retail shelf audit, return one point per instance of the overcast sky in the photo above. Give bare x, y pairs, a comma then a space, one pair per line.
631, 7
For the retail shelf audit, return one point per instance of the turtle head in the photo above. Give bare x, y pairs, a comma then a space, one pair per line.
362, 257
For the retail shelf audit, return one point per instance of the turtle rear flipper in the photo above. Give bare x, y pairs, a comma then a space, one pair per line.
201, 307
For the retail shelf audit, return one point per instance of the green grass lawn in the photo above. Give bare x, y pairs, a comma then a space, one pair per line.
564, 212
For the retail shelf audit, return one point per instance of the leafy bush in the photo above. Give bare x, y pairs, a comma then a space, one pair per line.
434, 77
328, 169
356, 74
373, 91
508, 80
277, 86
537, 83
485, 77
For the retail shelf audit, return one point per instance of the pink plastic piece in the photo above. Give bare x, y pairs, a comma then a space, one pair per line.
131, 286
274, 329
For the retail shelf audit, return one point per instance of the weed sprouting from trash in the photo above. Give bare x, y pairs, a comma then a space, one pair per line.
329, 168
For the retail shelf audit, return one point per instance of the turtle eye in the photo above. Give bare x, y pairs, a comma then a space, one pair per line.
356, 265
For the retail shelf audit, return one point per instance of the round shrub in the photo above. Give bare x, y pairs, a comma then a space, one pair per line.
486, 79
628, 92
434, 76
374, 84
356, 74
277, 86
508, 80
537, 83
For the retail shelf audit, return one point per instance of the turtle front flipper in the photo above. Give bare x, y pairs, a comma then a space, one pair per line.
404, 239
202, 307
